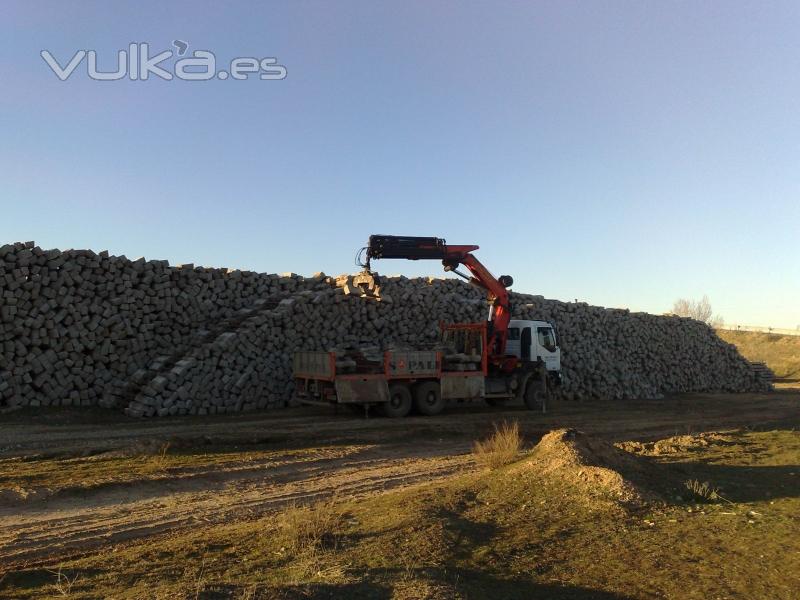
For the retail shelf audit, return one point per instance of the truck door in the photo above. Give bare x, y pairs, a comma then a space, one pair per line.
547, 348
525, 340
512, 344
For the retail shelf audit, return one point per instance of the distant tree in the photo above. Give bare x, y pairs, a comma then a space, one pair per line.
697, 309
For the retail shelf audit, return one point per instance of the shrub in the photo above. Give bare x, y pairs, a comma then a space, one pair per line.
312, 528
702, 492
501, 448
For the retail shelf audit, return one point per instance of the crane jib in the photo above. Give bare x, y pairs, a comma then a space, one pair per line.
413, 248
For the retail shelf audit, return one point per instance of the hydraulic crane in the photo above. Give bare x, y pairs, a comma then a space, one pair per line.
499, 360
424, 248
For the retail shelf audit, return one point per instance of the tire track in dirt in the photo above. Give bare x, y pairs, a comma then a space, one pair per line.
102, 517
391, 454
76, 434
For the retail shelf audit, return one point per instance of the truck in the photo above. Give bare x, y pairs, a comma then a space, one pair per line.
498, 360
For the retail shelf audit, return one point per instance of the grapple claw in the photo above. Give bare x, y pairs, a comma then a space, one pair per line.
367, 282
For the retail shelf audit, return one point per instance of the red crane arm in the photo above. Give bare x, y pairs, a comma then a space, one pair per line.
417, 248
499, 302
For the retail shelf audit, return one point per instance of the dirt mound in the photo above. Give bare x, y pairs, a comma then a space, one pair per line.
679, 443
595, 467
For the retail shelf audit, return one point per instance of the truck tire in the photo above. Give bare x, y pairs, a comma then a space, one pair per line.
535, 394
399, 404
428, 398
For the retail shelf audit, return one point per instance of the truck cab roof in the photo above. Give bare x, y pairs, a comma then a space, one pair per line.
526, 323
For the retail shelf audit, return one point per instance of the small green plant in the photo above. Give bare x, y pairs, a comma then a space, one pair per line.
501, 448
702, 492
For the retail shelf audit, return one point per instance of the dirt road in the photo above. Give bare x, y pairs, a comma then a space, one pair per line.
179, 473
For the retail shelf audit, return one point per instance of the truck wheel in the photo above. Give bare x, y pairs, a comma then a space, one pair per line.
535, 395
399, 404
428, 398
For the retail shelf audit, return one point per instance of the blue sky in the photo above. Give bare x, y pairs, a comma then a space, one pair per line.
621, 153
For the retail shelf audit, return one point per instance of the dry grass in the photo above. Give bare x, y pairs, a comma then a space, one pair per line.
702, 492
781, 353
501, 448
63, 584
507, 533
159, 462
148, 463
310, 529
248, 593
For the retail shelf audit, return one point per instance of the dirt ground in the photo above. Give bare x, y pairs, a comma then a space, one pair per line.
77, 481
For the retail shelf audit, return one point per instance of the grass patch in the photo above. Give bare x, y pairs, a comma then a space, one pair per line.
310, 529
64, 582
159, 461
500, 448
702, 492
504, 533
149, 462
781, 353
